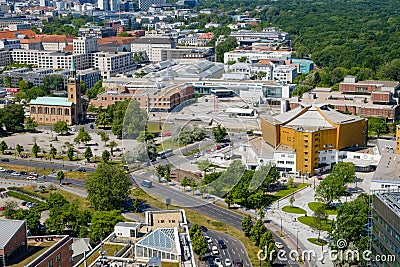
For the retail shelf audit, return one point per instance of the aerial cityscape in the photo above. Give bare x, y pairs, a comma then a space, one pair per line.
198, 133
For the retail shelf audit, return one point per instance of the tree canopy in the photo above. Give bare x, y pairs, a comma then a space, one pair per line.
108, 187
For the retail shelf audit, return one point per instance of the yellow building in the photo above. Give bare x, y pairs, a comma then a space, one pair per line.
314, 130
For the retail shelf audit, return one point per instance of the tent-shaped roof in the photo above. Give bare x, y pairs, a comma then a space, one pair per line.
161, 239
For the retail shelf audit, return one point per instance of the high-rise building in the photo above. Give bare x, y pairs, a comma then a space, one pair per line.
145, 4
398, 139
103, 5
385, 229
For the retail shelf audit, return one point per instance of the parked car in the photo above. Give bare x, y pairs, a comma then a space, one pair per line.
2, 169
5, 160
34, 174
211, 261
3, 208
29, 177
218, 262
203, 228
214, 250
15, 174
221, 244
23, 173
166, 134
228, 263
91, 126
208, 239
10, 171
278, 245
23, 203
80, 169
238, 263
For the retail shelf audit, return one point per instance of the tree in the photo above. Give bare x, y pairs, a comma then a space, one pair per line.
53, 152
103, 223
105, 156
19, 149
319, 217
60, 127
193, 185
54, 82
378, 126
151, 149
291, 201
12, 116
112, 145
10, 208
184, 183
103, 119
228, 45
32, 218
204, 166
30, 124
257, 231
247, 225
219, 133
124, 34
242, 59
344, 171
290, 181
60, 176
88, 154
70, 153
95, 90
200, 246
108, 187
352, 223
104, 137
82, 137
35, 150
136, 204
3, 146
329, 190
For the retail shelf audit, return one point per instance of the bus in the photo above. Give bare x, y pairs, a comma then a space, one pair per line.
165, 153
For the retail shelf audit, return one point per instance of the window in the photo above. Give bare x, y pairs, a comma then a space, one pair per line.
281, 162
66, 111
357, 157
58, 257
33, 110
50, 263
53, 111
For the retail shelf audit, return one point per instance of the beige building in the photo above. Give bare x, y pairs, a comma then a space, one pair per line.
85, 45
72, 110
110, 64
152, 47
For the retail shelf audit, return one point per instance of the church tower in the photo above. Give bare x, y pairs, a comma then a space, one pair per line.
74, 94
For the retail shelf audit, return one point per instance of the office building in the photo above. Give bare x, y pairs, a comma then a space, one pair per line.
386, 228
110, 64
145, 4
85, 45
152, 47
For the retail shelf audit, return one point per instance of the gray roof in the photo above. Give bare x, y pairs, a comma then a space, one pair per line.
128, 224
147, 40
388, 168
8, 229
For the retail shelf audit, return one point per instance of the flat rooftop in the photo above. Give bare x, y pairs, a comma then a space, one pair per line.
388, 168
391, 199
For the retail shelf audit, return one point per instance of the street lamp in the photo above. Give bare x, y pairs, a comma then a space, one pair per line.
281, 219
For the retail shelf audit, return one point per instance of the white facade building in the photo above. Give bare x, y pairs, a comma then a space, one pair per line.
254, 56
85, 45
152, 47
110, 64
284, 73
10, 44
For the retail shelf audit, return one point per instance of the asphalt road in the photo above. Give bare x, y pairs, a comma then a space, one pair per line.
45, 164
234, 248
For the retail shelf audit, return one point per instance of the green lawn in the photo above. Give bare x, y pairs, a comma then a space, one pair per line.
169, 144
289, 190
155, 127
294, 209
308, 220
317, 242
328, 209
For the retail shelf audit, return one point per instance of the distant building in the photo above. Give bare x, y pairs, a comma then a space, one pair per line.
304, 66
152, 47
145, 4
72, 110
13, 240
110, 64
10, 44
85, 45
97, 32
385, 228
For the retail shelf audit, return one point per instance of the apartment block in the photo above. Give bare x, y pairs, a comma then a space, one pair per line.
152, 47
145, 4
110, 64
10, 44
85, 45
5, 58
97, 32
255, 56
